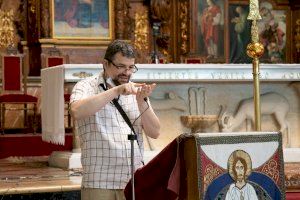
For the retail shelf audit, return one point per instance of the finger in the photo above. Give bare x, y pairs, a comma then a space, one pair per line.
138, 84
153, 86
134, 89
150, 88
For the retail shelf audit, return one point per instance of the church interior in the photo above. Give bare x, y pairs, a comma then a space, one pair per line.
213, 67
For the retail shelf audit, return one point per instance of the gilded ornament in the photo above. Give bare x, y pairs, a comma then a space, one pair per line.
254, 32
211, 173
82, 74
255, 50
141, 31
6, 28
32, 6
183, 27
254, 10
270, 168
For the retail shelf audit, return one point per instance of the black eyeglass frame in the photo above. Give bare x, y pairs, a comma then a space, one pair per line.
134, 68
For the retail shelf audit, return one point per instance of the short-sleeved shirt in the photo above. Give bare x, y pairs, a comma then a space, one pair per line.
105, 148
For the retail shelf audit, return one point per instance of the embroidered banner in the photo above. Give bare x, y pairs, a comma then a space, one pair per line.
240, 166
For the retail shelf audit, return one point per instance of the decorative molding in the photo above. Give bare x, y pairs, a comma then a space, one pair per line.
196, 72
215, 72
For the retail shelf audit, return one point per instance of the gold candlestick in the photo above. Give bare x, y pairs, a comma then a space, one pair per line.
255, 50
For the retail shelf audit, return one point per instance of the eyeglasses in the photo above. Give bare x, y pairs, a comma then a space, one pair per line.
131, 68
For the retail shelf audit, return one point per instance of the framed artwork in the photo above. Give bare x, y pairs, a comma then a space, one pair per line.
210, 30
273, 33
239, 33
82, 19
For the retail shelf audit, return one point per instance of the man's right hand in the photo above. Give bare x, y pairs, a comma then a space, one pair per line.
129, 88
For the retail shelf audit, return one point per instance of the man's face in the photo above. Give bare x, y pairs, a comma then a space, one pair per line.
118, 69
240, 170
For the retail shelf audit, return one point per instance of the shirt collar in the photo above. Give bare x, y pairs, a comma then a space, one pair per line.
101, 78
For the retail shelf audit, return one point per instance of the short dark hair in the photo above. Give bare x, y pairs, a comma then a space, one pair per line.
119, 46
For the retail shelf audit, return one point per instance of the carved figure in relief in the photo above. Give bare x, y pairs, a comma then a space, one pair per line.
271, 104
172, 101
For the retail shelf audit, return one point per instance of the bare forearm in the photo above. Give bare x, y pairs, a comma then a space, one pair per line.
89, 106
150, 122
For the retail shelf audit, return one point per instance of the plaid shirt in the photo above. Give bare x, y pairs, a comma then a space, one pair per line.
105, 149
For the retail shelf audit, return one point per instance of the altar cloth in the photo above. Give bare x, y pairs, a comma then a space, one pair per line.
205, 166
260, 155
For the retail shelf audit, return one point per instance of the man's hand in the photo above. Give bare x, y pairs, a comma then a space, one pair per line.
141, 90
144, 91
129, 88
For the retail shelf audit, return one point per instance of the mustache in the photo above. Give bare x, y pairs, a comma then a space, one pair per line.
123, 76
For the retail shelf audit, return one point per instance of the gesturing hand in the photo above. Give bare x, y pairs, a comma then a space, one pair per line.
144, 91
129, 88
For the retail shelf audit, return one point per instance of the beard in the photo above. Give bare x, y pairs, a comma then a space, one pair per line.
240, 178
121, 79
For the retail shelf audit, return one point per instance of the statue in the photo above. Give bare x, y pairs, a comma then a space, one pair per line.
271, 103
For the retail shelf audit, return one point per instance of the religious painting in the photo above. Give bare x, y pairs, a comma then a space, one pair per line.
239, 33
238, 166
210, 30
81, 19
273, 33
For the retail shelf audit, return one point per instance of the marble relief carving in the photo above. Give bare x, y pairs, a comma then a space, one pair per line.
198, 120
197, 100
296, 86
271, 104
171, 101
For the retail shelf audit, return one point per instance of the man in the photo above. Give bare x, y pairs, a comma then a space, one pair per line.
239, 167
102, 129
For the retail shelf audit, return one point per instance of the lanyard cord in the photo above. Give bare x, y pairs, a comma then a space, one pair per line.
125, 117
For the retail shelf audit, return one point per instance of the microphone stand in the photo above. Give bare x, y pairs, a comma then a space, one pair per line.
132, 137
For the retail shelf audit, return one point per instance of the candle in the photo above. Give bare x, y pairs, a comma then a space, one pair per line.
254, 10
